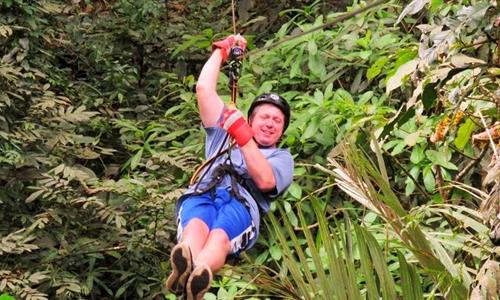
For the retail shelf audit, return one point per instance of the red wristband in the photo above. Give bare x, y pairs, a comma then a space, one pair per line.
241, 132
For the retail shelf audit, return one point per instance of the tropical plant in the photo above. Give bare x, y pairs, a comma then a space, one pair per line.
99, 133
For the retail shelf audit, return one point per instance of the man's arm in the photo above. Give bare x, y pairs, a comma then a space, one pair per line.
211, 107
209, 102
258, 167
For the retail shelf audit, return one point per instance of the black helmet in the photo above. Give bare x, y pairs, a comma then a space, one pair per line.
275, 100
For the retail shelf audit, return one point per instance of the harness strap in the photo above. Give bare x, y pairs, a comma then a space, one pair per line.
236, 178
217, 176
210, 161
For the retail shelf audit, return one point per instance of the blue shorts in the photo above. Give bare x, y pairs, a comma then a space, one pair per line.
223, 211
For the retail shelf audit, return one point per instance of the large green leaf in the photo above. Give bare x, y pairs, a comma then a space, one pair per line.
464, 133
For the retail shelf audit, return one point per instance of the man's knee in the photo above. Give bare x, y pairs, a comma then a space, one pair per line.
194, 227
219, 237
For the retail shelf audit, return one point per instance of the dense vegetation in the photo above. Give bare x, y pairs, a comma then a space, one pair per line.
395, 194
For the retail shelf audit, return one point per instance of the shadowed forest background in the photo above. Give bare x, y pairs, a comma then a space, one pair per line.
395, 133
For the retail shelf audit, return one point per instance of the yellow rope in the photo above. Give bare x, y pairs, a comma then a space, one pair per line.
233, 8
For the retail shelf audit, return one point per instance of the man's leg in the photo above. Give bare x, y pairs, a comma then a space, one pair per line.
195, 235
215, 251
194, 218
231, 232
209, 260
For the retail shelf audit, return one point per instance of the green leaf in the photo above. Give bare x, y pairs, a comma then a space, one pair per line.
311, 129
312, 47
364, 98
464, 133
316, 65
366, 265
191, 41
417, 154
429, 180
295, 190
435, 5
365, 41
410, 281
378, 261
123, 288
296, 67
403, 56
441, 158
377, 67
364, 54
6, 297
275, 252
384, 41
396, 80
292, 217
410, 184
400, 147
136, 159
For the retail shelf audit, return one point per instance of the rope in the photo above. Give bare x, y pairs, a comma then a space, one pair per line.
233, 9
235, 58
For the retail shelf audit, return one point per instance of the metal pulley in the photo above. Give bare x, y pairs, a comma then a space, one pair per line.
235, 57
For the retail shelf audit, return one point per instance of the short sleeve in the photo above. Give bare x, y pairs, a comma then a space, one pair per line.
282, 165
215, 137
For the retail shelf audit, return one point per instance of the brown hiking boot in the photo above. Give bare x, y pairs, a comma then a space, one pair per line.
181, 262
198, 283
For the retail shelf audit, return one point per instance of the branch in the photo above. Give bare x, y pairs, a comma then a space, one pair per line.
440, 182
422, 190
339, 19
470, 165
492, 144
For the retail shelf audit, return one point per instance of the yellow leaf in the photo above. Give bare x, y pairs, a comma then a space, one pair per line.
33, 196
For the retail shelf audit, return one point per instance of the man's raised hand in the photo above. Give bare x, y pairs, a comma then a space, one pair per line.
229, 42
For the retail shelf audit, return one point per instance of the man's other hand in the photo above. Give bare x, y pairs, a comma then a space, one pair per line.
236, 125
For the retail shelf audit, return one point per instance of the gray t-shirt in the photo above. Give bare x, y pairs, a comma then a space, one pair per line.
280, 159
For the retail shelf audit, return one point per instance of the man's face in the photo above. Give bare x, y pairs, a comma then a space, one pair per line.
267, 123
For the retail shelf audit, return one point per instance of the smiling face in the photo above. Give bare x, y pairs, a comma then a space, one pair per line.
267, 122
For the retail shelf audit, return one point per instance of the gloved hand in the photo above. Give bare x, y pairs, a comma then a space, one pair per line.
236, 125
226, 44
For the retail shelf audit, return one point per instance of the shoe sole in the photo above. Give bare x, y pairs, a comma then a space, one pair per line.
198, 283
180, 260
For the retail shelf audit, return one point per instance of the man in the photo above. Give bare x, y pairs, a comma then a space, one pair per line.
220, 215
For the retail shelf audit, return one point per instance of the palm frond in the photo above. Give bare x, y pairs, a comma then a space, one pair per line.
358, 173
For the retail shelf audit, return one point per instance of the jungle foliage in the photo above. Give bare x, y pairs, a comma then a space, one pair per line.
394, 130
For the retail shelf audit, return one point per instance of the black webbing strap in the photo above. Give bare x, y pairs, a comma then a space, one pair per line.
236, 178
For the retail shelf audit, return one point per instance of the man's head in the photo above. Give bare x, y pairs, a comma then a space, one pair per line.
269, 116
